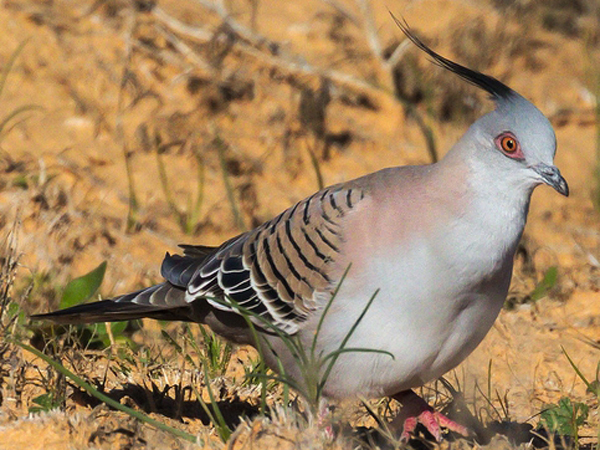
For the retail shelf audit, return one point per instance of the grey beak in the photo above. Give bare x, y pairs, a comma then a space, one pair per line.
552, 177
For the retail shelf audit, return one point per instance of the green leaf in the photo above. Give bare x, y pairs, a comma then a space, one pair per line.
118, 328
44, 402
547, 283
20, 181
100, 337
15, 311
564, 418
82, 288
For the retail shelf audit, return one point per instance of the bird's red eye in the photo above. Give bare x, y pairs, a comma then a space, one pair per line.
507, 143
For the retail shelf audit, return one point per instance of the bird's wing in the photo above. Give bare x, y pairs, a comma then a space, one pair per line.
278, 269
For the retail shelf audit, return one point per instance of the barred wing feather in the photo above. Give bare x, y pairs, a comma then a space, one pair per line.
275, 270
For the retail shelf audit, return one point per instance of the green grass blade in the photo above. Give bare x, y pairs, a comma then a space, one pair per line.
194, 213
220, 424
103, 397
178, 349
326, 309
204, 406
317, 168
20, 110
10, 64
280, 379
380, 423
288, 339
134, 205
171, 341
293, 346
578, 372
339, 351
345, 341
546, 284
286, 386
166, 188
263, 390
489, 380
237, 216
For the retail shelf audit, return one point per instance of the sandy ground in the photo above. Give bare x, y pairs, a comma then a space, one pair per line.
111, 78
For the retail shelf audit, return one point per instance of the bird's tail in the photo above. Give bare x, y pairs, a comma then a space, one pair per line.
163, 301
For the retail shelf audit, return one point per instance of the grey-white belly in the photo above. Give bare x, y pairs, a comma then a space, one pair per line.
421, 326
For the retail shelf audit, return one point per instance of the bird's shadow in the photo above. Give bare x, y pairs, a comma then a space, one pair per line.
514, 432
171, 402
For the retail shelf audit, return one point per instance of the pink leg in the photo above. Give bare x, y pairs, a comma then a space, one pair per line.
324, 420
415, 410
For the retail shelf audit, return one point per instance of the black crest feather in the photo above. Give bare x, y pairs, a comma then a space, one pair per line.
495, 88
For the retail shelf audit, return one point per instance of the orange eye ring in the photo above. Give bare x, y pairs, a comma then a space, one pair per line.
509, 144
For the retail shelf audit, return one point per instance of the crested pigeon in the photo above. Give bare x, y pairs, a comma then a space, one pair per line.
413, 263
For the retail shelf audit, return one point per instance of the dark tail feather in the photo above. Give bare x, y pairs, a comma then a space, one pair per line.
103, 311
163, 302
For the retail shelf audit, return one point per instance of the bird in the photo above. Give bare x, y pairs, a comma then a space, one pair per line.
399, 273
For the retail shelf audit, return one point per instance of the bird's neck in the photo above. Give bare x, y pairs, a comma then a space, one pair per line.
494, 209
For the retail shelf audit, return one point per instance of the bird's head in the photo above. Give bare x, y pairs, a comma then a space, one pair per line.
519, 141
515, 139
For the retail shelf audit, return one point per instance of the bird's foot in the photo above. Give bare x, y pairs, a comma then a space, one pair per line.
433, 421
325, 420
416, 411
